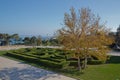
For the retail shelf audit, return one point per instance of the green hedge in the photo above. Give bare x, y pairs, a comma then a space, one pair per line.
92, 62
40, 53
59, 56
36, 56
31, 55
23, 57
51, 64
42, 62
95, 62
22, 50
45, 58
73, 63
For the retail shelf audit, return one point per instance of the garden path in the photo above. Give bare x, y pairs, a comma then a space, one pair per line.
14, 70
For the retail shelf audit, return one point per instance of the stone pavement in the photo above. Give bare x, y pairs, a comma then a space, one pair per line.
14, 70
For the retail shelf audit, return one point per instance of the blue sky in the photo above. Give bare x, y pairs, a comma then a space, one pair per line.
44, 17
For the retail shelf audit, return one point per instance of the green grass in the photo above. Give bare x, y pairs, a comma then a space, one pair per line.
2, 53
108, 71
102, 72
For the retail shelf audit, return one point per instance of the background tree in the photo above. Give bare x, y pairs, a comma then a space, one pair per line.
26, 40
6, 38
33, 41
15, 37
39, 41
84, 35
54, 41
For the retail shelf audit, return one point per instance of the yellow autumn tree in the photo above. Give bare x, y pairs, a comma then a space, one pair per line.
85, 35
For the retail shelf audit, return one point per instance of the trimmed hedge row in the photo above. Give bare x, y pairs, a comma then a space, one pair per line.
42, 62
22, 57
91, 62
95, 62
73, 63
31, 55
44, 57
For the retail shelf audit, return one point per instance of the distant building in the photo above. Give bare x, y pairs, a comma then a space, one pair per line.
2, 42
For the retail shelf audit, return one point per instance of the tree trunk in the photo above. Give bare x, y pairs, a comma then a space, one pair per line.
79, 66
85, 63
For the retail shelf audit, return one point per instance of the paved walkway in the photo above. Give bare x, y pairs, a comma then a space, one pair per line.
13, 70
23, 46
114, 53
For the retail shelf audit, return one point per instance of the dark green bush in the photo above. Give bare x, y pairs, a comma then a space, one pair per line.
55, 60
40, 53
19, 51
22, 57
65, 63
28, 49
60, 57
73, 63
51, 64
31, 55
42, 56
51, 52
95, 62
42, 62
113, 59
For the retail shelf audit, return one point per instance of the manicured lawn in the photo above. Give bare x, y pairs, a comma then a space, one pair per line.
96, 72
108, 71
102, 72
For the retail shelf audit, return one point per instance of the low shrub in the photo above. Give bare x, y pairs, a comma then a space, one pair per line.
40, 53
55, 60
59, 56
31, 55
22, 57
22, 50
50, 64
42, 62
65, 63
92, 62
28, 49
113, 59
95, 62
73, 63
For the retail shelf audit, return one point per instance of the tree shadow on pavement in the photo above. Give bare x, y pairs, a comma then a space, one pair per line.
29, 73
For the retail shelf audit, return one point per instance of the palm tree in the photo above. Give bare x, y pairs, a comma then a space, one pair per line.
6, 38
15, 37
26, 40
